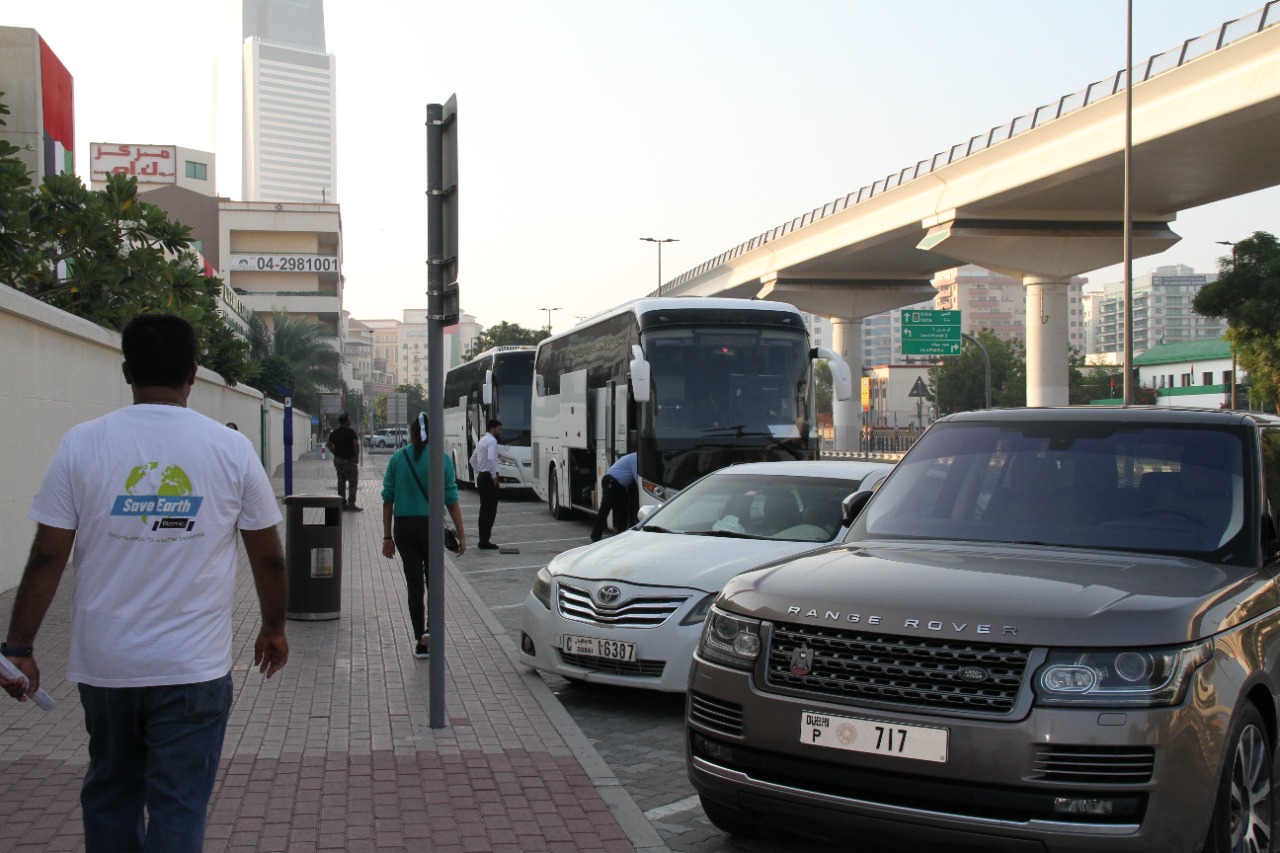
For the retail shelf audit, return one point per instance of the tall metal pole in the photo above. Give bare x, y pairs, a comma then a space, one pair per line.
1128, 210
660, 241
435, 411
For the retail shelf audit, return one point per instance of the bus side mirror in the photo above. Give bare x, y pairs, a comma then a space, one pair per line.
640, 375
486, 390
841, 379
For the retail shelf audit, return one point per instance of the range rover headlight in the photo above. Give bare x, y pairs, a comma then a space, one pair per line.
542, 587
730, 640
1138, 678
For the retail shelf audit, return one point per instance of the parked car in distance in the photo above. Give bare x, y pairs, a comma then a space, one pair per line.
628, 610
1050, 629
389, 437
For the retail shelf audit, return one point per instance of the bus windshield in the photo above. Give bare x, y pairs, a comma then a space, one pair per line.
722, 395
513, 390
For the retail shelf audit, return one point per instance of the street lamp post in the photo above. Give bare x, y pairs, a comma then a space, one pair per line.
1233, 346
660, 241
548, 310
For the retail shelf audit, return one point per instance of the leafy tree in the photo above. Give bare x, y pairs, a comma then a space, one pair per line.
108, 256
823, 393
1247, 295
1088, 382
295, 353
502, 335
416, 401
960, 384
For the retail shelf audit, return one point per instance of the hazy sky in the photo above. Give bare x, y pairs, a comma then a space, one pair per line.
587, 125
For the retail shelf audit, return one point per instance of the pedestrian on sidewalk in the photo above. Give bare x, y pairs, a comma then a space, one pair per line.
616, 485
484, 461
152, 496
405, 521
344, 444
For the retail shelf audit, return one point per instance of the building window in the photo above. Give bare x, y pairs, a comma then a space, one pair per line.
198, 171
1208, 378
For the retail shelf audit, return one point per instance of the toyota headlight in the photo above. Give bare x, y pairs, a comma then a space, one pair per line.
700, 611
1139, 678
730, 640
542, 587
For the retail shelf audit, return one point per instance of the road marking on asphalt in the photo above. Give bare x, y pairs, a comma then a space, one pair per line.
469, 572
659, 812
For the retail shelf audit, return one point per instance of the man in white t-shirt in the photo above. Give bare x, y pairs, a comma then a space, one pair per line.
152, 496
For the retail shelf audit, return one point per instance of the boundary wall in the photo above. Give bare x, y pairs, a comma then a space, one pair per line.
58, 370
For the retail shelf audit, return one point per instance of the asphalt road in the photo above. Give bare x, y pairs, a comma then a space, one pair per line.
639, 733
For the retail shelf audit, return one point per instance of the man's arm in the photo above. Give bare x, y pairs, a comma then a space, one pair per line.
266, 558
50, 550
355, 448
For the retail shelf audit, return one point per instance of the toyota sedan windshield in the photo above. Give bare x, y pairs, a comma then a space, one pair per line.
798, 509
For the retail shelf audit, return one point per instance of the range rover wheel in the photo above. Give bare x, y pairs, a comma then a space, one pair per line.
558, 510
734, 822
1243, 819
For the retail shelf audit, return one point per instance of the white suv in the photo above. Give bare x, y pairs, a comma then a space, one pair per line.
389, 437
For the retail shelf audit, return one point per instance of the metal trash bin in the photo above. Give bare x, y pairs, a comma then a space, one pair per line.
313, 556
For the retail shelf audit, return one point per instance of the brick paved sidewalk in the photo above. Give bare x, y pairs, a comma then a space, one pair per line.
336, 752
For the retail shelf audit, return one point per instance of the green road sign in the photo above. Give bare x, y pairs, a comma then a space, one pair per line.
931, 333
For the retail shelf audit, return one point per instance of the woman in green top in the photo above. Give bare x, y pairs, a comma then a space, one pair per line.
404, 502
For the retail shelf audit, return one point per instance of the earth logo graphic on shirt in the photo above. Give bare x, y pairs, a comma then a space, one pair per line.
153, 491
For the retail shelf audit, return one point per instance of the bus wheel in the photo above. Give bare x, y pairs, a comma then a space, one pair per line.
558, 510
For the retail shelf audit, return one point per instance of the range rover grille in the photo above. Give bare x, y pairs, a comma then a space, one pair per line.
716, 714
960, 675
1095, 764
639, 612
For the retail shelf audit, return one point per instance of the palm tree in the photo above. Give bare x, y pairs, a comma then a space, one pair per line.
297, 354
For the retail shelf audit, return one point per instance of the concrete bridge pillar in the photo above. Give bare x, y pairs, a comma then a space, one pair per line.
1048, 322
846, 415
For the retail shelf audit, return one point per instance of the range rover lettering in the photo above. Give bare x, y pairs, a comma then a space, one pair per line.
1049, 629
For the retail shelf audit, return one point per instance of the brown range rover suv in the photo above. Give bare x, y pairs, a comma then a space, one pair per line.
1049, 629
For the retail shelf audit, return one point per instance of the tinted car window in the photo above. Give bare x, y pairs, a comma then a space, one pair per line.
1080, 484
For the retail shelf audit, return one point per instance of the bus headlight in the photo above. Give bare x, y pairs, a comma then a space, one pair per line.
661, 494
507, 461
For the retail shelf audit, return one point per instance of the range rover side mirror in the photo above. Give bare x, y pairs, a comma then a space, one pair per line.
852, 505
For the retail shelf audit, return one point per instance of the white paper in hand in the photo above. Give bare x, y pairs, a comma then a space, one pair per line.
44, 700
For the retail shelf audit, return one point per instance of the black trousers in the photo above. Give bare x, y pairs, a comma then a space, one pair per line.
487, 486
410, 533
616, 501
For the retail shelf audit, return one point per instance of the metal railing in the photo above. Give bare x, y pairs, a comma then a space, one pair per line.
1193, 48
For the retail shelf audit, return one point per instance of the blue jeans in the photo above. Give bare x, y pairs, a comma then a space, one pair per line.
152, 747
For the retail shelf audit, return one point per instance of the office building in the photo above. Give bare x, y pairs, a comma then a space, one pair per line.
290, 104
1162, 311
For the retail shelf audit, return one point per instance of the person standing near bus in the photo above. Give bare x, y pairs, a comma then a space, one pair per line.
616, 485
344, 444
484, 461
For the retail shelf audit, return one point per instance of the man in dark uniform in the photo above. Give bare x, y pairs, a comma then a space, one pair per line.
344, 444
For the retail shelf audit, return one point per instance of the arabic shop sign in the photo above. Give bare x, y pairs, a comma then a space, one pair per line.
150, 164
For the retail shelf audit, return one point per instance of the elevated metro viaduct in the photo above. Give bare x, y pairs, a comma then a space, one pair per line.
1040, 198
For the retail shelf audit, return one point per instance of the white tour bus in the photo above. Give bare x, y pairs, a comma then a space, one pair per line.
690, 384
495, 384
